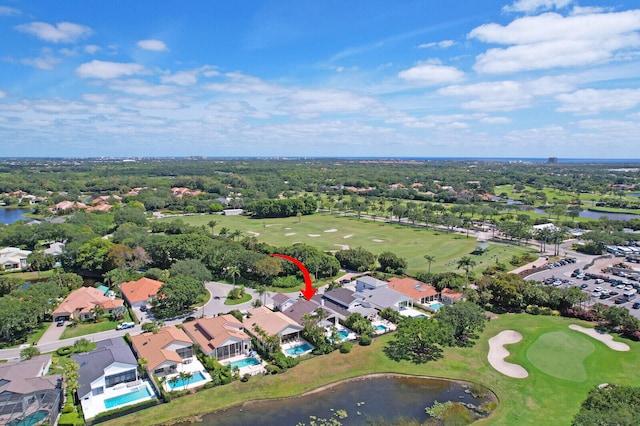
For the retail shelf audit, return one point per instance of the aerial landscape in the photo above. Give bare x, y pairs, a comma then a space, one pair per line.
319, 213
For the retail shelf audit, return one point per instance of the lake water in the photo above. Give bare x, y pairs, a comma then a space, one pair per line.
596, 215
9, 216
376, 398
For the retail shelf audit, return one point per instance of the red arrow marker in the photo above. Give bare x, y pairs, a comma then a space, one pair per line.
308, 290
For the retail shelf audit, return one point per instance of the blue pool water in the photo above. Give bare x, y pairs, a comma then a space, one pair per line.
436, 306
381, 327
246, 362
30, 420
343, 334
298, 350
197, 377
128, 398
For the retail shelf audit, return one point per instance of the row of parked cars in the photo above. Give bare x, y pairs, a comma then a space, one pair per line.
561, 262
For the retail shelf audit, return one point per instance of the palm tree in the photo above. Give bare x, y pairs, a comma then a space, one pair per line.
212, 224
142, 366
233, 272
186, 377
467, 263
429, 258
261, 290
236, 233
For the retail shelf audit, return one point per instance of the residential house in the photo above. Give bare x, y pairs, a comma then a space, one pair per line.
419, 292
281, 301
66, 205
369, 283
81, 303
302, 307
450, 297
13, 258
139, 293
382, 298
54, 248
221, 337
261, 321
343, 302
27, 394
165, 351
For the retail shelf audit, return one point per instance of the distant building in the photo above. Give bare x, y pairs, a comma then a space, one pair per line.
552, 160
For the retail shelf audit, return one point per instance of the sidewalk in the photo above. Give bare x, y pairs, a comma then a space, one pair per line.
537, 264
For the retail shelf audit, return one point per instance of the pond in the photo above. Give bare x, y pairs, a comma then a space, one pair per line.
596, 215
383, 399
10, 215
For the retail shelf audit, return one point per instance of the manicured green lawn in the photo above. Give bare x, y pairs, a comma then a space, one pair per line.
82, 329
331, 232
245, 298
542, 398
574, 347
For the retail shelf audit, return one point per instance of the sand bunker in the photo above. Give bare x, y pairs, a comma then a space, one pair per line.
313, 235
289, 234
348, 236
375, 240
331, 230
342, 246
497, 354
286, 229
605, 338
254, 233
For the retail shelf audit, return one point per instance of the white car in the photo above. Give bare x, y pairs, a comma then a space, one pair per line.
628, 287
595, 294
598, 289
620, 286
599, 281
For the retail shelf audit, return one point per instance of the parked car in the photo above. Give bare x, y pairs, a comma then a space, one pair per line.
613, 293
636, 305
125, 325
585, 285
60, 323
144, 308
620, 300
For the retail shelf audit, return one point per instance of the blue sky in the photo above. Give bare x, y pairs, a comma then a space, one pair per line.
481, 78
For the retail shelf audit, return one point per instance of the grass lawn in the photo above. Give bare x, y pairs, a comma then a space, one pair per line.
545, 397
31, 275
245, 298
331, 232
83, 329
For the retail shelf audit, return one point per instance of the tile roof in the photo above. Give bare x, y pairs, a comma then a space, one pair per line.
84, 299
140, 290
153, 346
211, 333
413, 288
23, 377
271, 322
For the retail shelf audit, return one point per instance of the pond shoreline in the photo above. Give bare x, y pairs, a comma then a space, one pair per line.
491, 396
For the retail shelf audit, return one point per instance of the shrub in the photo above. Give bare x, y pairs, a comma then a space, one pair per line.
345, 347
68, 408
64, 351
365, 340
245, 378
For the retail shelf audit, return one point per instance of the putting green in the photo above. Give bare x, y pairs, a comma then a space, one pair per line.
561, 354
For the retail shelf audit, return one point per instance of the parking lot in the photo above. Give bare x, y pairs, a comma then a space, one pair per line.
602, 287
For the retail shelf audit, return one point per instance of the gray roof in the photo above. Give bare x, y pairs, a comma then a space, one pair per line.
331, 306
92, 364
302, 307
280, 298
24, 377
383, 297
342, 296
373, 282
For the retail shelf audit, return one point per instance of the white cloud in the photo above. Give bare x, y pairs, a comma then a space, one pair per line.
430, 74
309, 103
3, 94
495, 120
532, 6
444, 44
91, 49
45, 61
157, 104
141, 87
190, 77
491, 96
591, 101
108, 70
239, 83
154, 45
9, 11
552, 40
62, 32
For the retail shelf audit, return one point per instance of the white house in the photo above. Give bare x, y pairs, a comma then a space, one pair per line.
13, 258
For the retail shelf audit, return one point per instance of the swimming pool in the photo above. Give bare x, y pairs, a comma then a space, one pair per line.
127, 398
245, 362
195, 378
343, 334
30, 420
381, 327
436, 306
298, 350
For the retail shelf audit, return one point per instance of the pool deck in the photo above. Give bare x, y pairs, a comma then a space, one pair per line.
94, 405
252, 370
388, 325
294, 344
193, 367
351, 335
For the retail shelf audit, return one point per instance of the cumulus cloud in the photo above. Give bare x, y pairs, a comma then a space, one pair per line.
141, 87
3, 94
108, 70
532, 6
62, 32
190, 77
592, 101
309, 103
551, 40
154, 45
45, 61
239, 83
91, 49
491, 96
430, 74
9, 11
